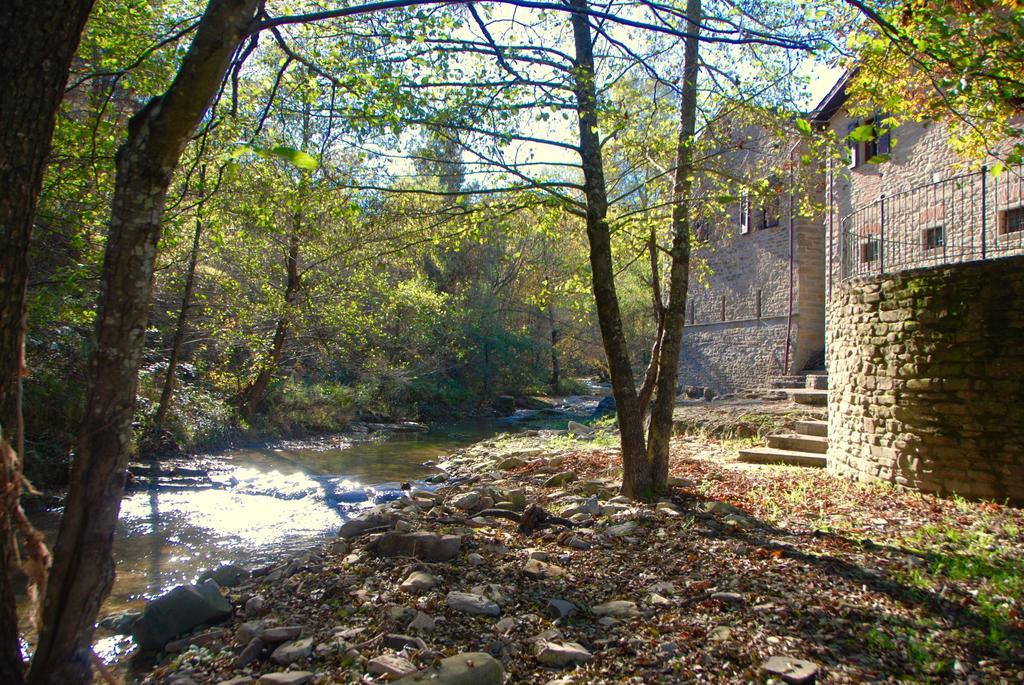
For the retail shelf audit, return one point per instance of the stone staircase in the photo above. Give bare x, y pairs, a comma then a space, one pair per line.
808, 445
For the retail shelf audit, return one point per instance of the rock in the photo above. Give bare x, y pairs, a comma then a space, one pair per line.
605, 407
668, 509
560, 609
740, 521
793, 671
656, 600
280, 634
580, 430
470, 668
510, 463
255, 606
238, 680
560, 479
538, 554
422, 623
398, 642
290, 652
286, 678
535, 568
390, 666
249, 630
728, 597
590, 505
517, 497
472, 604
466, 501
612, 508
353, 528
663, 587
202, 639
505, 405
576, 542
722, 508
249, 653
418, 581
178, 611
616, 609
422, 545
622, 529
720, 634
560, 654
399, 613
505, 625
121, 623
225, 575
475, 559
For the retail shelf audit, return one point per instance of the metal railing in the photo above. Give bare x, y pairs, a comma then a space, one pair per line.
965, 218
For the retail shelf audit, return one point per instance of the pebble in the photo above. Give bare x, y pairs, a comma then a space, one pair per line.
729, 597
286, 678
539, 569
391, 666
472, 604
290, 652
616, 609
560, 654
418, 581
560, 608
423, 623
622, 529
792, 671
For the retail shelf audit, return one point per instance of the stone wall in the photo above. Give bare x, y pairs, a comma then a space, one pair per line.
927, 375
733, 354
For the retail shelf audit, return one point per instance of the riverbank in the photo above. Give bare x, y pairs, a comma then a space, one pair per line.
739, 573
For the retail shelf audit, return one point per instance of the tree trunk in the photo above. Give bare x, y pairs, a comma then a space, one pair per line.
37, 43
636, 476
556, 367
83, 569
660, 433
179, 332
254, 395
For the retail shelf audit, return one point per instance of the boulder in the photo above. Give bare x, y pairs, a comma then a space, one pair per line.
472, 604
605, 407
423, 545
469, 668
121, 623
178, 611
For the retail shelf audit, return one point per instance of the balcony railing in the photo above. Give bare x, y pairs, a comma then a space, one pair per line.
974, 216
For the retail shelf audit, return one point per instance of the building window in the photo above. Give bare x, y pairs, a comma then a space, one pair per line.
771, 215
869, 141
1012, 220
869, 250
933, 237
745, 215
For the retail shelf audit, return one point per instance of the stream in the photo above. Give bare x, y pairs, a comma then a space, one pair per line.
259, 505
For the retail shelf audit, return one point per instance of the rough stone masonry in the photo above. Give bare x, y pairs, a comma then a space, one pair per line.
927, 376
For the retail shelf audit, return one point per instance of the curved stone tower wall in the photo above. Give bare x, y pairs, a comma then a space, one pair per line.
927, 375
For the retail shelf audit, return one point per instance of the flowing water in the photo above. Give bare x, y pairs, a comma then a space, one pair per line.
258, 505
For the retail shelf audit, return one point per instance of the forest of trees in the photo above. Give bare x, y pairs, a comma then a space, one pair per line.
241, 217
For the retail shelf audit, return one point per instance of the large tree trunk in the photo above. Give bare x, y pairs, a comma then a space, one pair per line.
83, 569
636, 477
179, 331
37, 43
675, 311
254, 395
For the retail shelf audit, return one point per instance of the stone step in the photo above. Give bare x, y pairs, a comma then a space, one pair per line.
799, 443
813, 398
779, 382
817, 428
770, 455
816, 381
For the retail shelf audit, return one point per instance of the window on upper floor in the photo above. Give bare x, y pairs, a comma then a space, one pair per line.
1011, 220
745, 215
870, 249
771, 210
933, 237
869, 141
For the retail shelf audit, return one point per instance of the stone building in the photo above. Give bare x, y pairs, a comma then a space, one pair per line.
756, 306
925, 311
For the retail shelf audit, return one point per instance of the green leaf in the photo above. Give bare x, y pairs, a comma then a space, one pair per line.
298, 158
878, 159
726, 199
863, 133
804, 126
